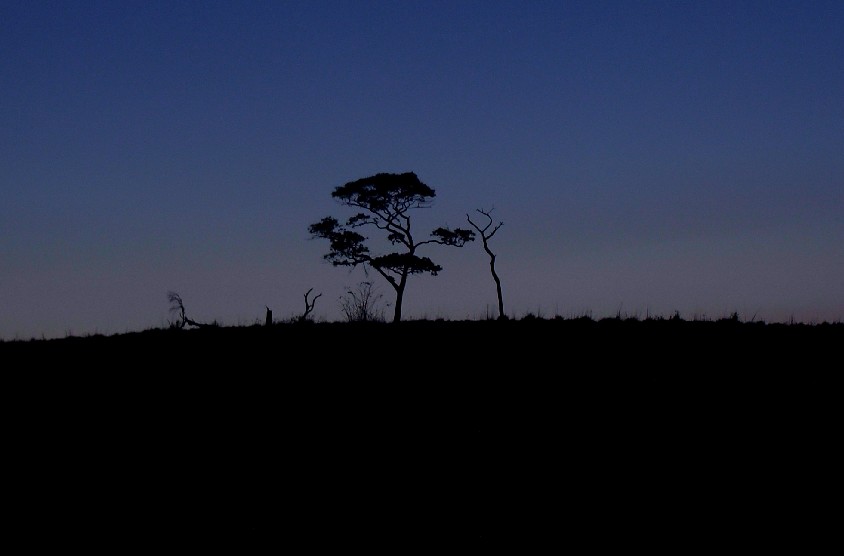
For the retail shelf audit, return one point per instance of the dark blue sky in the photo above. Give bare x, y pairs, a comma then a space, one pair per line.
645, 156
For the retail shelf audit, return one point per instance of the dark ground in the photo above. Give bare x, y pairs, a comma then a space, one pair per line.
482, 434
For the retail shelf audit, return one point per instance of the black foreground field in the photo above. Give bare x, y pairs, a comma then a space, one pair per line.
448, 435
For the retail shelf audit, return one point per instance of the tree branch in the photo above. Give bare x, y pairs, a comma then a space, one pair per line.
483, 230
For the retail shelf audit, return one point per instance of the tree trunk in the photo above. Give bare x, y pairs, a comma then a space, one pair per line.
497, 285
399, 297
397, 309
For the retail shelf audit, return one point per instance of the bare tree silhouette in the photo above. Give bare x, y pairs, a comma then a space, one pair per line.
309, 305
387, 200
486, 235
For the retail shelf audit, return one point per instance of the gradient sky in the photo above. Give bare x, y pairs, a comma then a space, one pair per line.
644, 156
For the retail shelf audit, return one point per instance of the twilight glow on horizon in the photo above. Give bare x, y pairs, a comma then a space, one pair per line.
646, 157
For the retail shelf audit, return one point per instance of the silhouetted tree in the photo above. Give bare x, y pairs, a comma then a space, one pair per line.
486, 235
309, 305
268, 321
361, 305
177, 306
387, 200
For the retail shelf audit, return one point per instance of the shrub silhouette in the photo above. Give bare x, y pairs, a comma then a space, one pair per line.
361, 304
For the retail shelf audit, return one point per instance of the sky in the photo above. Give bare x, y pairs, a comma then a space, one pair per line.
646, 157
